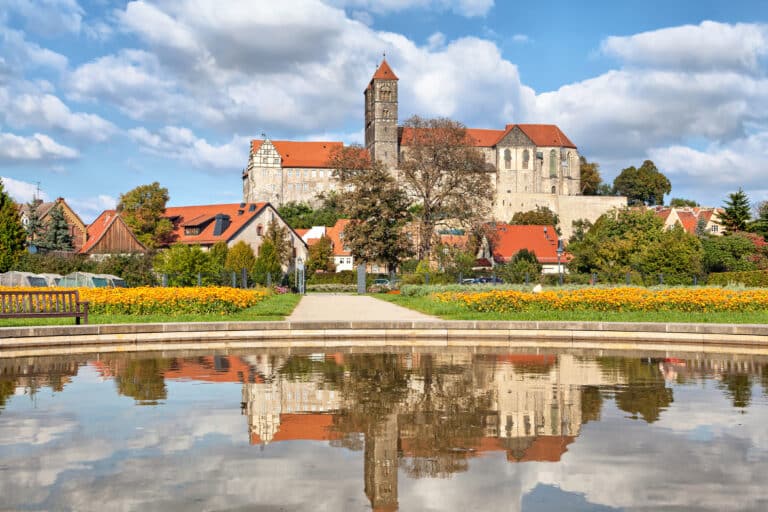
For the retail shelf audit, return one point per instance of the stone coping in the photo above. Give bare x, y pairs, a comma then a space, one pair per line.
711, 338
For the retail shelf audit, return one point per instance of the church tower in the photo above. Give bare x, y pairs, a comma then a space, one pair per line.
381, 116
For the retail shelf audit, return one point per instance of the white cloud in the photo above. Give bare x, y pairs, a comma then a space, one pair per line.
18, 53
89, 208
21, 192
520, 38
182, 144
48, 111
468, 8
37, 147
710, 46
47, 17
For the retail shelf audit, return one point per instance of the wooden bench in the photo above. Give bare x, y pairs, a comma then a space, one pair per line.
43, 304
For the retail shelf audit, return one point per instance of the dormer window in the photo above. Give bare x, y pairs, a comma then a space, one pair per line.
192, 230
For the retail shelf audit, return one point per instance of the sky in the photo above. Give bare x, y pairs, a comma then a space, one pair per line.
100, 96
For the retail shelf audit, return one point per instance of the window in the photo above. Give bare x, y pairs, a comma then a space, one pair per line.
306, 186
264, 160
385, 113
553, 164
263, 173
314, 173
526, 158
714, 228
259, 230
192, 230
554, 189
276, 161
507, 159
385, 94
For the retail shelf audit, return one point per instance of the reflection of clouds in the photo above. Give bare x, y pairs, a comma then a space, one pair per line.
36, 430
634, 465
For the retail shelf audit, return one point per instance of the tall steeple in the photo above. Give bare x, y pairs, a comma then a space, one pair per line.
381, 116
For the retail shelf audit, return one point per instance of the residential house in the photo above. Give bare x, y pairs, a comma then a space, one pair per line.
691, 218
77, 228
202, 225
507, 240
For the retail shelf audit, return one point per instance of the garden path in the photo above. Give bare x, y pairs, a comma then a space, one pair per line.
318, 307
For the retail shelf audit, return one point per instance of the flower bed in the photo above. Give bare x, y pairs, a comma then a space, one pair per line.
168, 301
702, 300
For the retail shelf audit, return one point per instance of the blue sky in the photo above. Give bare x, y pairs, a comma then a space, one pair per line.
97, 97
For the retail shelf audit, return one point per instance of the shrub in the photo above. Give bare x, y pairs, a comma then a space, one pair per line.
752, 278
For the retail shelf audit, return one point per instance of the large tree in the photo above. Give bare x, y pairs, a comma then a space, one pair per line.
35, 228
142, 209
376, 206
277, 234
633, 241
320, 257
760, 224
736, 212
57, 235
12, 234
728, 253
303, 216
267, 264
646, 185
445, 176
240, 257
591, 180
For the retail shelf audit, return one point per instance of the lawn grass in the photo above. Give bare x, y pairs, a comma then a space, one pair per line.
274, 307
448, 311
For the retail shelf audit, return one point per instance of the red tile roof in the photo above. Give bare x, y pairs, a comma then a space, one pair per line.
510, 239
308, 427
335, 234
459, 241
688, 221
540, 135
188, 216
384, 72
301, 154
545, 135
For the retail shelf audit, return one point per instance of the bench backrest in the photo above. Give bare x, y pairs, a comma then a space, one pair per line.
39, 301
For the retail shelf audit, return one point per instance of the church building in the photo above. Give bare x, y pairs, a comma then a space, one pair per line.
536, 165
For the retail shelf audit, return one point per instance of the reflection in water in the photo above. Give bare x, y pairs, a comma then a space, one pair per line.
416, 414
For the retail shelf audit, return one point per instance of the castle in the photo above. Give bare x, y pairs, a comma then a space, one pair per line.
536, 165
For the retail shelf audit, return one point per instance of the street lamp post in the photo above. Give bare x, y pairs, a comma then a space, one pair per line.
559, 255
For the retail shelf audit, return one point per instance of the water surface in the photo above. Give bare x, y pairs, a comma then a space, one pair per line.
406, 430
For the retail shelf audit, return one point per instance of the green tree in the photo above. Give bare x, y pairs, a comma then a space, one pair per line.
614, 243
645, 185
142, 209
760, 224
320, 257
580, 229
35, 228
445, 175
240, 257
679, 202
278, 235
218, 256
12, 234
376, 206
736, 212
645, 394
677, 254
523, 263
182, 263
731, 253
57, 236
303, 216
738, 387
590, 177
267, 262
541, 216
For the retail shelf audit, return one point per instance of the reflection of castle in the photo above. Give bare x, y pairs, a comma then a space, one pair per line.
528, 406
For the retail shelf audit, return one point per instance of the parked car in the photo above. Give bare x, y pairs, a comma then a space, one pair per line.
381, 282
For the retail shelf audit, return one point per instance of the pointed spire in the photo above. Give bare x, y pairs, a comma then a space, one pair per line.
384, 72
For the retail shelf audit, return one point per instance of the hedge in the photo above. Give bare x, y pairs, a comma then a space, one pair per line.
749, 278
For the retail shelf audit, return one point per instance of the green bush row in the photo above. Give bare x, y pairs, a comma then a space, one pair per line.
749, 278
332, 288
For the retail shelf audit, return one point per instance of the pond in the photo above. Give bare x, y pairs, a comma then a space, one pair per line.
405, 430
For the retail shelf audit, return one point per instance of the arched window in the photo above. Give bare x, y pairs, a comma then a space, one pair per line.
554, 189
553, 164
259, 230
526, 158
507, 159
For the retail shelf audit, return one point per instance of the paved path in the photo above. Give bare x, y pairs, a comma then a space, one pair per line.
340, 307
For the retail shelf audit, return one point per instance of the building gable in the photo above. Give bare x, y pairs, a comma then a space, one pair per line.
515, 137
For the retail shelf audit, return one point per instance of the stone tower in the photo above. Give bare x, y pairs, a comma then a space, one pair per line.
381, 116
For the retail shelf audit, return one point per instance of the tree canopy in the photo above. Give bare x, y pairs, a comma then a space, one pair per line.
445, 176
57, 236
541, 216
679, 202
591, 180
646, 185
303, 216
321, 257
240, 257
377, 208
12, 234
278, 236
267, 263
736, 212
142, 209
182, 263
